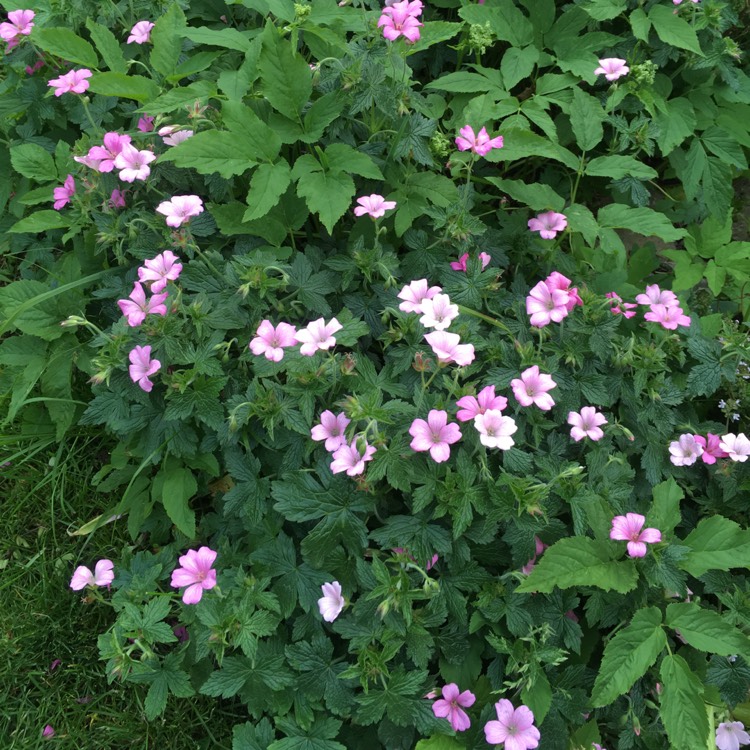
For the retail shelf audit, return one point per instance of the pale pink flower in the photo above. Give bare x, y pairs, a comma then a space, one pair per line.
629, 528
481, 143
435, 435
142, 367
348, 458
87, 161
117, 199
539, 547
667, 317
679, 2
685, 451
19, 24
374, 205
711, 445
332, 601
548, 224
486, 399
451, 706
415, 293
731, 734
104, 156
48, 731
514, 727
737, 447
180, 208
195, 572
612, 68
133, 164
618, 307
103, 575
557, 281
145, 124
332, 429
318, 336
73, 81
546, 305
62, 195
447, 348
656, 296
438, 312
140, 33
136, 307
174, 139
460, 264
586, 424
495, 430
272, 341
531, 388
400, 19
158, 270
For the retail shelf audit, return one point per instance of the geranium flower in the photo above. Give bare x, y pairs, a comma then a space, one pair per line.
737, 447
374, 205
318, 336
495, 430
348, 458
612, 68
711, 445
136, 307
557, 281
140, 33
196, 573
460, 264
514, 727
435, 435
629, 528
667, 317
401, 19
158, 270
145, 124
618, 307
19, 24
438, 312
133, 164
586, 424
142, 367
332, 429
171, 135
548, 224
656, 296
685, 451
117, 200
539, 547
332, 601
48, 731
103, 575
451, 706
481, 143
180, 208
415, 293
546, 305
62, 195
447, 348
730, 735
531, 388
104, 156
485, 399
272, 341
73, 82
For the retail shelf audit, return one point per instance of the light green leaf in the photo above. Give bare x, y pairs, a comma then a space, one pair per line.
215, 151
166, 40
32, 313
507, 22
108, 46
725, 146
519, 144
65, 44
682, 709
199, 91
31, 160
580, 219
268, 184
343, 158
641, 220
228, 38
604, 10
517, 64
320, 115
438, 742
255, 135
178, 486
640, 24
462, 81
586, 117
329, 194
628, 655
665, 512
716, 543
40, 221
706, 630
140, 88
537, 196
434, 32
194, 64
673, 29
618, 167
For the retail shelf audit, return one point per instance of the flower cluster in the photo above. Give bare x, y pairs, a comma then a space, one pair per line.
664, 307
117, 152
688, 448
551, 300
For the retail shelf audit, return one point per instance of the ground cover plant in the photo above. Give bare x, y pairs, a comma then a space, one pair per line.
414, 337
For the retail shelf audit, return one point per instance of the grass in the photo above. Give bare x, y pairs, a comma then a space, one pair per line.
44, 497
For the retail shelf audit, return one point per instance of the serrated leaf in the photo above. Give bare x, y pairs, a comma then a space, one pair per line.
166, 40
716, 543
178, 487
643, 221
342, 158
67, 45
517, 64
31, 160
108, 46
675, 124
285, 76
227, 38
640, 24
705, 630
211, 151
682, 709
617, 166
673, 29
140, 88
717, 187
537, 196
586, 118
665, 511
505, 19
269, 182
255, 736
329, 194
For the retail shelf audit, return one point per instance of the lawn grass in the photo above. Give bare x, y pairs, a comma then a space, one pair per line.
42, 620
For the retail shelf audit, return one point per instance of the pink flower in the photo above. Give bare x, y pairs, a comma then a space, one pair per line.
145, 124
73, 81
142, 367
374, 205
430, 564
348, 458
133, 164
415, 293
586, 424
685, 451
48, 731
532, 388
318, 336
87, 161
548, 224
450, 706
656, 296
136, 307
103, 575
140, 33
117, 199
481, 143
546, 305
515, 728
331, 429
731, 734
19, 24
539, 547
180, 208
400, 19
711, 445
438, 312
175, 137
62, 195
495, 430
485, 399
31, 69
160, 269
460, 264
332, 601
196, 573
679, 2
434, 435
627, 528
618, 307
737, 447
447, 348
612, 68
557, 281
104, 156
668, 317
272, 341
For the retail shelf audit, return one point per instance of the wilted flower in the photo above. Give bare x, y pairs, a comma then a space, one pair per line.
196, 573
629, 528
539, 547
117, 199
460, 264
711, 445
145, 124
48, 731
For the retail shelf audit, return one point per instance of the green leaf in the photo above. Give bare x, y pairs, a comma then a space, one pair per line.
604, 10
342, 158
140, 88
31, 160
618, 167
706, 630
628, 655
580, 219
252, 736
320, 115
194, 64
268, 184
675, 124
517, 64
228, 38
586, 117
665, 512
156, 699
463, 82
643, 221
682, 709
640, 24
505, 19
215, 151
327, 193
166, 40
65, 44
108, 46
178, 487
519, 144
717, 187
255, 135
580, 561
673, 29
537, 196
434, 32
716, 543
23, 303
438, 742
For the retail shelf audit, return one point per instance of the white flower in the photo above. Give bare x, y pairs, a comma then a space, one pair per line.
495, 430
332, 601
737, 446
438, 312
